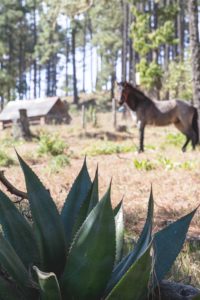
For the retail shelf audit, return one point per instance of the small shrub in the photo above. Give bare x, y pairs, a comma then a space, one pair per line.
51, 144
188, 165
5, 159
10, 142
106, 147
58, 162
144, 164
166, 163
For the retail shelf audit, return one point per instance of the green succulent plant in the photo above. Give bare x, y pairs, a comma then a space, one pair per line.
78, 253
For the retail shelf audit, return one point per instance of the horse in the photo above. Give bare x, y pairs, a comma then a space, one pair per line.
161, 113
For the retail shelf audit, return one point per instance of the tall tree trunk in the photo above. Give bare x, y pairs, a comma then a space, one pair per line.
2, 102
54, 74
131, 75
180, 29
20, 85
35, 42
155, 25
39, 81
98, 69
91, 54
113, 77
67, 49
75, 91
124, 41
84, 55
195, 52
48, 78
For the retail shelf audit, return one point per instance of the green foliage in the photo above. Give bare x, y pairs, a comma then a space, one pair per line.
147, 41
176, 139
51, 144
150, 73
5, 159
107, 147
106, 36
164, 162
58, 256
167, 163
177, 80
58, 162
144, 164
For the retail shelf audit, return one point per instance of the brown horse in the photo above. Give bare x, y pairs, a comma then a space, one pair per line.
161, 113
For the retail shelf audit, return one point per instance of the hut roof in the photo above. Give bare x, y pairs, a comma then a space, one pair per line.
35, 108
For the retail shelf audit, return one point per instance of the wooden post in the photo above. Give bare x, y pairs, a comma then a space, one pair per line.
21, 126
114, 113
24, 123
83, 117
94, 117
2, 127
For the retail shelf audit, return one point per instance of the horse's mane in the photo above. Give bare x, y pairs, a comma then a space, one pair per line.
136, 90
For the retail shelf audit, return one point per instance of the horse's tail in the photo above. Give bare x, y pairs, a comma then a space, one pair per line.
195, 124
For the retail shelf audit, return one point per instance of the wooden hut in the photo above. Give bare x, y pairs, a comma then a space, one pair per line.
50, 110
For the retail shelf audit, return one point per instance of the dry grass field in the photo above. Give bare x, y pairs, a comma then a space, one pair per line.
174, 176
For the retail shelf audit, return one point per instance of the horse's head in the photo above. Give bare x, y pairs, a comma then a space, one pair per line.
128, 94
122, 92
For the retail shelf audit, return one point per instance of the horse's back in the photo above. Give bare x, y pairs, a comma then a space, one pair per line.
162, 113
165, 106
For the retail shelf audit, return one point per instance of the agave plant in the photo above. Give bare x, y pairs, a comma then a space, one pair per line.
78, 253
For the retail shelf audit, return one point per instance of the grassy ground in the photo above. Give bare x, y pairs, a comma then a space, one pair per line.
175, 176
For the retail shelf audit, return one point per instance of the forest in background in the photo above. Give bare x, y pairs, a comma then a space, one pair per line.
39, 39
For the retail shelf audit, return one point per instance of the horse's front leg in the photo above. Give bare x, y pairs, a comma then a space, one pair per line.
141, 134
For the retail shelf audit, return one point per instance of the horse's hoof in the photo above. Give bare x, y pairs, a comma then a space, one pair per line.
183, 150
140, 150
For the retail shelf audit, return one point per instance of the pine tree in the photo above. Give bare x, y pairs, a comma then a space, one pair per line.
195, 52
152, 30
107, 38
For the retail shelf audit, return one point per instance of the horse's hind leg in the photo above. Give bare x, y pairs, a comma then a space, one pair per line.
194, 139
190, 135
186, 143
181, 128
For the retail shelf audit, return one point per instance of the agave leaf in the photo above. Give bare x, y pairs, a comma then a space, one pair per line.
139, 249
18, 231
94, 197
119, 226
197, 297
92, 255
48, 227
167, 244
134, 283
74, 201
11, 262
8, 291
49, 285
89, 203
